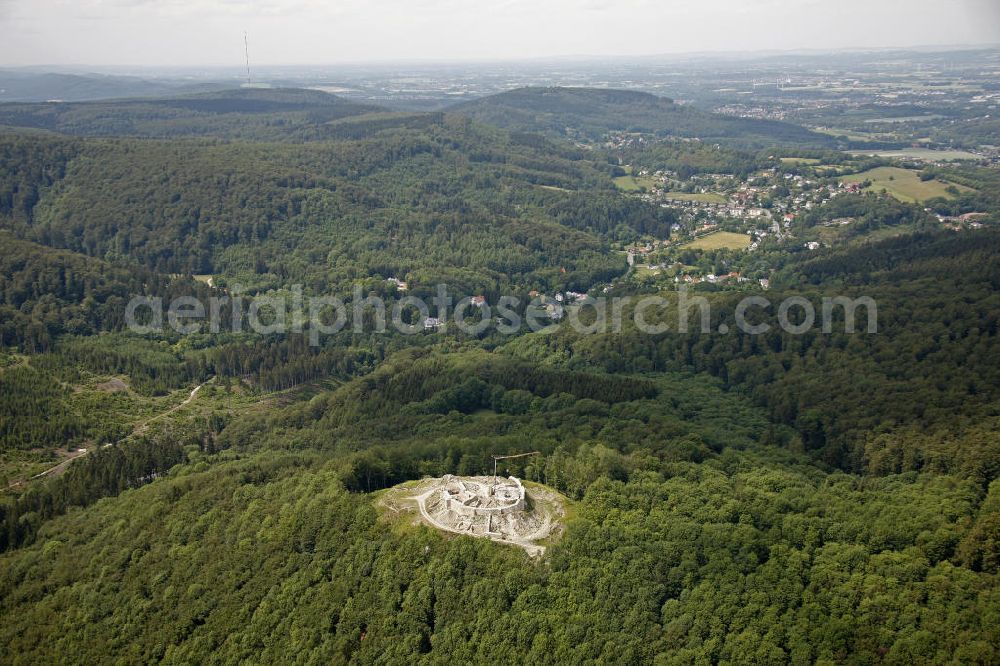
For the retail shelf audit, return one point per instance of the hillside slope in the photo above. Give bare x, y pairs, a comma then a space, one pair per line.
920, 393
691, 539
450, 200
592, 112
257, 114
30, 86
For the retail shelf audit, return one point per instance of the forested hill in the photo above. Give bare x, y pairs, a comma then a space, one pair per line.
291, 114
693, 537
452, 201
592, 112
919, 394
823, 497
18, 85
255, 114
46, 292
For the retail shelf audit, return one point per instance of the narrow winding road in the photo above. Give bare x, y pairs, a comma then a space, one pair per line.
138, 429
142, 426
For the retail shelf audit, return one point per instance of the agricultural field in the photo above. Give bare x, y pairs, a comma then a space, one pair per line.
720, 240
635, 183
838, 235
904, 184
923, 154
906, 119
705, 197
800, 160
644, 270
851, 135
831, 170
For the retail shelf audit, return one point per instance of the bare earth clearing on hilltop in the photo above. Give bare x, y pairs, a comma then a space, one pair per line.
531, 526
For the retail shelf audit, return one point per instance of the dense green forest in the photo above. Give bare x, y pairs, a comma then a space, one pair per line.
237, 114
920, 393
259, 559
46, 292
707, 524
451, 202
687, 158
592, 112
826, 497
694, 537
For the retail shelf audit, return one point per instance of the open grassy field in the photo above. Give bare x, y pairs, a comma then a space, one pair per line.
838, 235
707, 197
720, 240
922, 154
906, 119
904, 184
799, 160
643, 270
634, 183
852, 135
830, 170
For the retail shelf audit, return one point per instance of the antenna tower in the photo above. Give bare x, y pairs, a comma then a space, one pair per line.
246, 52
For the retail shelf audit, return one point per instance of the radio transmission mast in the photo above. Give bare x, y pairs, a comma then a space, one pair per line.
246, 52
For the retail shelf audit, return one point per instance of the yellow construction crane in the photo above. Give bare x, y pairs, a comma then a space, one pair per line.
514, 455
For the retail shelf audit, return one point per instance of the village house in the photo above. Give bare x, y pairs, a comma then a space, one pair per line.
400, 285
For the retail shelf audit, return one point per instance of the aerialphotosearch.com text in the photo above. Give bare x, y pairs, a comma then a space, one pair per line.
319, 316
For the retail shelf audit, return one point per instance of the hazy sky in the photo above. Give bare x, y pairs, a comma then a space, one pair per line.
204, 32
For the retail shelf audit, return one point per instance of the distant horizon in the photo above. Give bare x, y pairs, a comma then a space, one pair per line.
203, 33
723, 55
